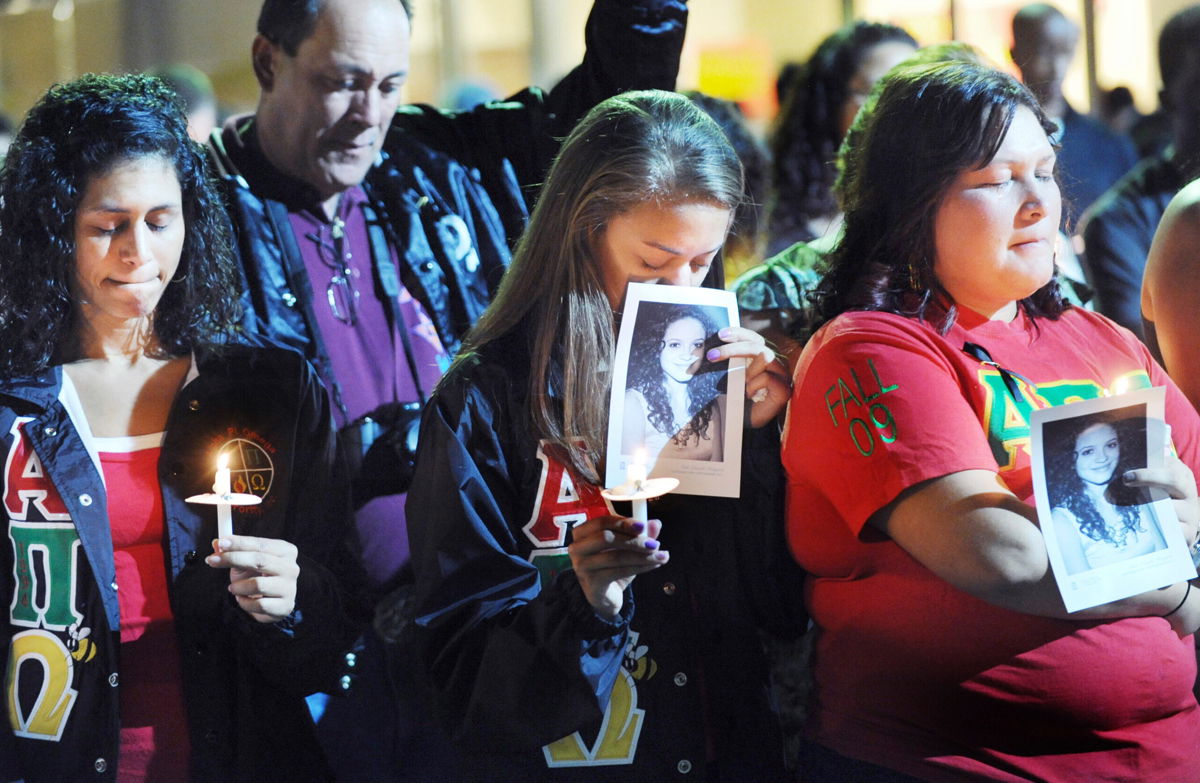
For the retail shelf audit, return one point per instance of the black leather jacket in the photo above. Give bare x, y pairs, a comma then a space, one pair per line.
442, 178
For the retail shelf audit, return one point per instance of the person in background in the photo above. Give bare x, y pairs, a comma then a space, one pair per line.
628, 648
746, 244
1118, 229
1091, 157
943, 649
1171, 289
1117, 110
813, 118
142, 645
195, 89
373, 234
774, 297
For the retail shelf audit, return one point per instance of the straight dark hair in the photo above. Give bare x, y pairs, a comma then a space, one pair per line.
922, 127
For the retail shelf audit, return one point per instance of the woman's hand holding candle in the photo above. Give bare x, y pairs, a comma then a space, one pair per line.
607, 553
262, 574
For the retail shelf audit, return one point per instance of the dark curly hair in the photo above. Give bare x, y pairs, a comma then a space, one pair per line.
807, 130
80, 130
646, 373
1066, 487
922, 126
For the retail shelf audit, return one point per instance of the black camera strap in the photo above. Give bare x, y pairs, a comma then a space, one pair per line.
389, 280
301, 288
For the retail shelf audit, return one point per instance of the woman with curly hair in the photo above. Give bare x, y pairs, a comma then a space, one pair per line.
1097, 520
141, 641
674, 403
820, 102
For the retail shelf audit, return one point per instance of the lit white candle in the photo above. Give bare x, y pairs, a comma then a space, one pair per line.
221, 487
635, 474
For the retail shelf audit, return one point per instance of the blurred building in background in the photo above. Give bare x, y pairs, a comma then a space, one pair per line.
734, 48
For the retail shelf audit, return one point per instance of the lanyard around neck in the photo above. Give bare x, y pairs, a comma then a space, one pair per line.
980, 354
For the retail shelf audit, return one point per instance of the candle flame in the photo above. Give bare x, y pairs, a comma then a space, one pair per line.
1121, 386
222, 462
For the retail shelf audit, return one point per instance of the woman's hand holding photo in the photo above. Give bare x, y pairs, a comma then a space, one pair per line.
767, 381
1177, 480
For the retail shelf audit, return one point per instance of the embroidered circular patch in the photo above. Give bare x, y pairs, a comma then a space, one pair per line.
251, 470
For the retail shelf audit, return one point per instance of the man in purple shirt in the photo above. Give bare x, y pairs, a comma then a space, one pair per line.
372, 234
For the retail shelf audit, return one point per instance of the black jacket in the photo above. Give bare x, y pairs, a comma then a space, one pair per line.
516, 657
243, 682
1117, 232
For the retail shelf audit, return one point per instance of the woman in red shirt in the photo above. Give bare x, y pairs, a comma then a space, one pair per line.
943, 650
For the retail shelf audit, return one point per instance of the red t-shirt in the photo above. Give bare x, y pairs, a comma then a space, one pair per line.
913, 674
154, 737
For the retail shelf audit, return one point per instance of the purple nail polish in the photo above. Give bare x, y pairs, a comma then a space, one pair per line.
638, 527
713, 355
724, 333
651, 543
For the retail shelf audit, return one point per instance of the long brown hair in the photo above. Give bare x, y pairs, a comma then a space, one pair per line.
640, 147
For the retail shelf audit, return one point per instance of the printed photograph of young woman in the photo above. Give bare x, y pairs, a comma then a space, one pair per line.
1097, 519
674, 397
